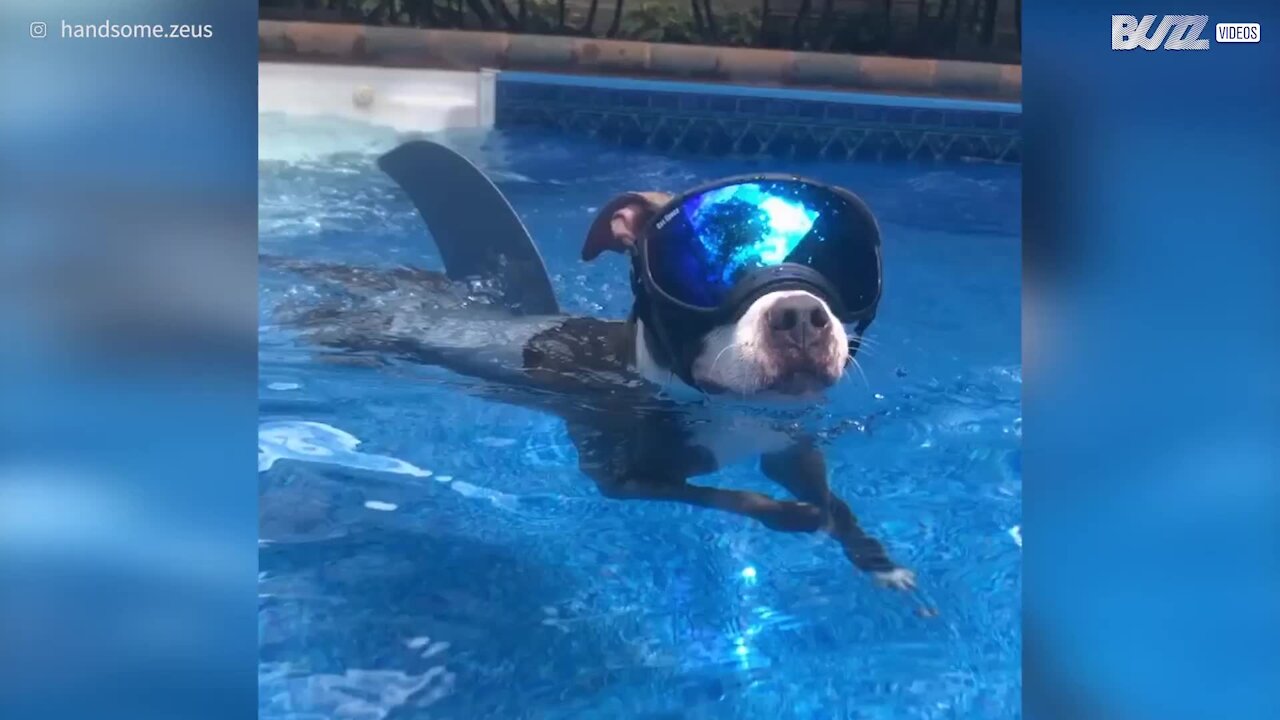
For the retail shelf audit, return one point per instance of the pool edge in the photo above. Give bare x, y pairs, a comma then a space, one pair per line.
283, 41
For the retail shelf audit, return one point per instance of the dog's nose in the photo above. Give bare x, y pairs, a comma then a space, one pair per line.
799, 320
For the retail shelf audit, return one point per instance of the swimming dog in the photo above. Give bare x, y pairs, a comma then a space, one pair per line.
648, 407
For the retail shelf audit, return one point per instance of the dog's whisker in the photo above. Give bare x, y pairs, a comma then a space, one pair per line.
746, 348
719, 355
844, 371
864, 340
846, 377
858, 366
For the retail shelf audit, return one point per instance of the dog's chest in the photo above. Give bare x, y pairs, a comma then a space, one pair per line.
670, 443
729, 434
732, 437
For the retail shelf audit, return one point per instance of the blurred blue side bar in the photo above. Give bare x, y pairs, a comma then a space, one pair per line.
128, 500
1151, 348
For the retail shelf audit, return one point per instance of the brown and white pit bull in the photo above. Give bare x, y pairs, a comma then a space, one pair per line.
640, 432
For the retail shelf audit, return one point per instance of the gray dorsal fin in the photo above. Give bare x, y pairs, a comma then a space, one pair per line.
478, 233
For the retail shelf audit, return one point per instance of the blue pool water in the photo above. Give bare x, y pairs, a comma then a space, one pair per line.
428, 554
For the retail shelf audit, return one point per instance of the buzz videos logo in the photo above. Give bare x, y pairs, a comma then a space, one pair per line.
1176, 32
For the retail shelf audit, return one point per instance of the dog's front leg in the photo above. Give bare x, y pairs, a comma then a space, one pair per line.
780, 515
646, 457
802, 470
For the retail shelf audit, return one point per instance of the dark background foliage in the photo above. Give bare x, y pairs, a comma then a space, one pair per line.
984, 30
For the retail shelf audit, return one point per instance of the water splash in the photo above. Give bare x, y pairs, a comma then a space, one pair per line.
306, 441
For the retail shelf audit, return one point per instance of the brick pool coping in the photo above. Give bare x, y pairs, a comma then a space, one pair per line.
474, 50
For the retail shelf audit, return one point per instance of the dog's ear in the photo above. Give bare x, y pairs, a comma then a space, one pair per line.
618, 224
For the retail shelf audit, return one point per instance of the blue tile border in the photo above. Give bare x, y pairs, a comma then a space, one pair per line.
753, 91
710, 119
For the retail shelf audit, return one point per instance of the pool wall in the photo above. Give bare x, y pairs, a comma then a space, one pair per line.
472, 50
663, 115
719, 119
406, 99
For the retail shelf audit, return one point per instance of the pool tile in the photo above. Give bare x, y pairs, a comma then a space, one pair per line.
811, 110
611, 128
894, 150
722, 103
852, 136
748, 145
910, 140
869, 114
695, 137
517, 92
633, 139
778, 147
705, 126
994, 146
937, 143
836, 149
927, 118
782, 108
663, 139
783, 142
760, 127
986, 120
965, 147
839, 111
631, 99
924, 153
536, 116
1014, 152
735, 128
808, 147
688, 102
898, 116
873, 145
664, 101
647, 122
719, 143
763, 131
598, 97
586, 123
678, 124
822, 133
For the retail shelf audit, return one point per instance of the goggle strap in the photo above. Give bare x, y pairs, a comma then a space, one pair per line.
663, 349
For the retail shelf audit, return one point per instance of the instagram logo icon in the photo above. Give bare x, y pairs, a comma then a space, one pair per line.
38, 30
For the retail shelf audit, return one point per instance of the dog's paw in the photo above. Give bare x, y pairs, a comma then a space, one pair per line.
896, 579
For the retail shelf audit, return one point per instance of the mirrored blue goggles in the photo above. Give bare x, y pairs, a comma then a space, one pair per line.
713, 246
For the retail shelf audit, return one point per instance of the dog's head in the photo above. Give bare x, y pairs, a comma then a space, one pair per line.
786, 342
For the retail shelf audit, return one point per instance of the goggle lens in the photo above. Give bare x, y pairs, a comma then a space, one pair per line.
698, 249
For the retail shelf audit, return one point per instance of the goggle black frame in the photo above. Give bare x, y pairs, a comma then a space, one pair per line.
776, 277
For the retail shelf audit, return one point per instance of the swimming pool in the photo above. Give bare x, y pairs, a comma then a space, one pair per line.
425, 553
